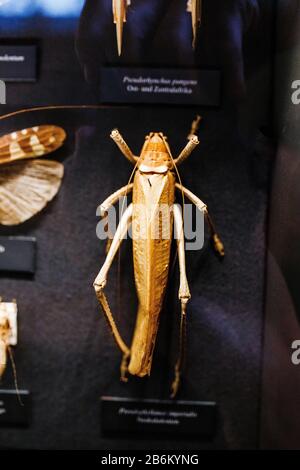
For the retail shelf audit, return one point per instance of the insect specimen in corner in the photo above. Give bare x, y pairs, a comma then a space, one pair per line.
27, 184
8, 331
195, 8
119, 8
154, 185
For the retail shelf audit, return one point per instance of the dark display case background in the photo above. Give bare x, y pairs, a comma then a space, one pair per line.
66, 356
280, 416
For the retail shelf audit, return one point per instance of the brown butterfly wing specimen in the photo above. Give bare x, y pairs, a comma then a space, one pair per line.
28, 184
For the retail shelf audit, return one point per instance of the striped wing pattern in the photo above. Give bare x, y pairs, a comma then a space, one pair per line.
26, 186
30, 143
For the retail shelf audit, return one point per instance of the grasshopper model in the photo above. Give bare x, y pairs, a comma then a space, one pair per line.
154, 185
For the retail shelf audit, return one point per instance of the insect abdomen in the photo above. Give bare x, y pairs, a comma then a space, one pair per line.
153, 196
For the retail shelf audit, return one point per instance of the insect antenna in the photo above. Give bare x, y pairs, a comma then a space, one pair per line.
13, 364
51, 107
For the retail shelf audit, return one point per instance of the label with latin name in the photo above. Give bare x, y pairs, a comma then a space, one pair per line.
163, 417
120, 85
18, 63
15, 408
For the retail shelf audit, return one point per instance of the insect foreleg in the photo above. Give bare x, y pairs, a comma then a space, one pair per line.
217, 243
118, 139
100, 283
113, 199
102, 210
186, 152
191, 196
184, 296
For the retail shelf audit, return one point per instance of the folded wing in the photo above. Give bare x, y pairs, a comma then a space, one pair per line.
26, 188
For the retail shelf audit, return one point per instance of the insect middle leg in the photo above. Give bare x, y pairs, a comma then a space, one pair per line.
184, 296
100, 283
102, 210
217, 242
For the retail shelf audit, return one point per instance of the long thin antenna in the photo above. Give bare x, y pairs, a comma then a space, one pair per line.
14, 374
50, 107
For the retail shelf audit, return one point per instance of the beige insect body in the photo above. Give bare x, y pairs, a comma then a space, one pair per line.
151, 254
28, 184
153, 187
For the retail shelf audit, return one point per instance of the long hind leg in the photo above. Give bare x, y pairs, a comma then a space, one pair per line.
100, 283
184, 296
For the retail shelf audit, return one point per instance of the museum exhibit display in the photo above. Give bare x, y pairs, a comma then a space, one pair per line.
202, 99
8, 331
27, 187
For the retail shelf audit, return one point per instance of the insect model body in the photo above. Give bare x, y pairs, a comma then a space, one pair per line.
195, 8
8, 331
27, 184
119, 14
153, 187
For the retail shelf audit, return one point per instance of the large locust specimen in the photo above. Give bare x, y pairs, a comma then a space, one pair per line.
154, 185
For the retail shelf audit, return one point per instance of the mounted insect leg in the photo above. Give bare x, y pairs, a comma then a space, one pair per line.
102, 210
118, 139
100, 283
217, 243
186, 152
184, 296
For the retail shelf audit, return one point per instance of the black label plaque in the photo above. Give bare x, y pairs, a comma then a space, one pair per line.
18, 63
15, 408
120, 85
18, 255
171, 418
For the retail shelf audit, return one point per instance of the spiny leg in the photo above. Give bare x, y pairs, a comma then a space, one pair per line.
217, 243
113, 199
184, 296
100, 283
186, 152
118, 139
